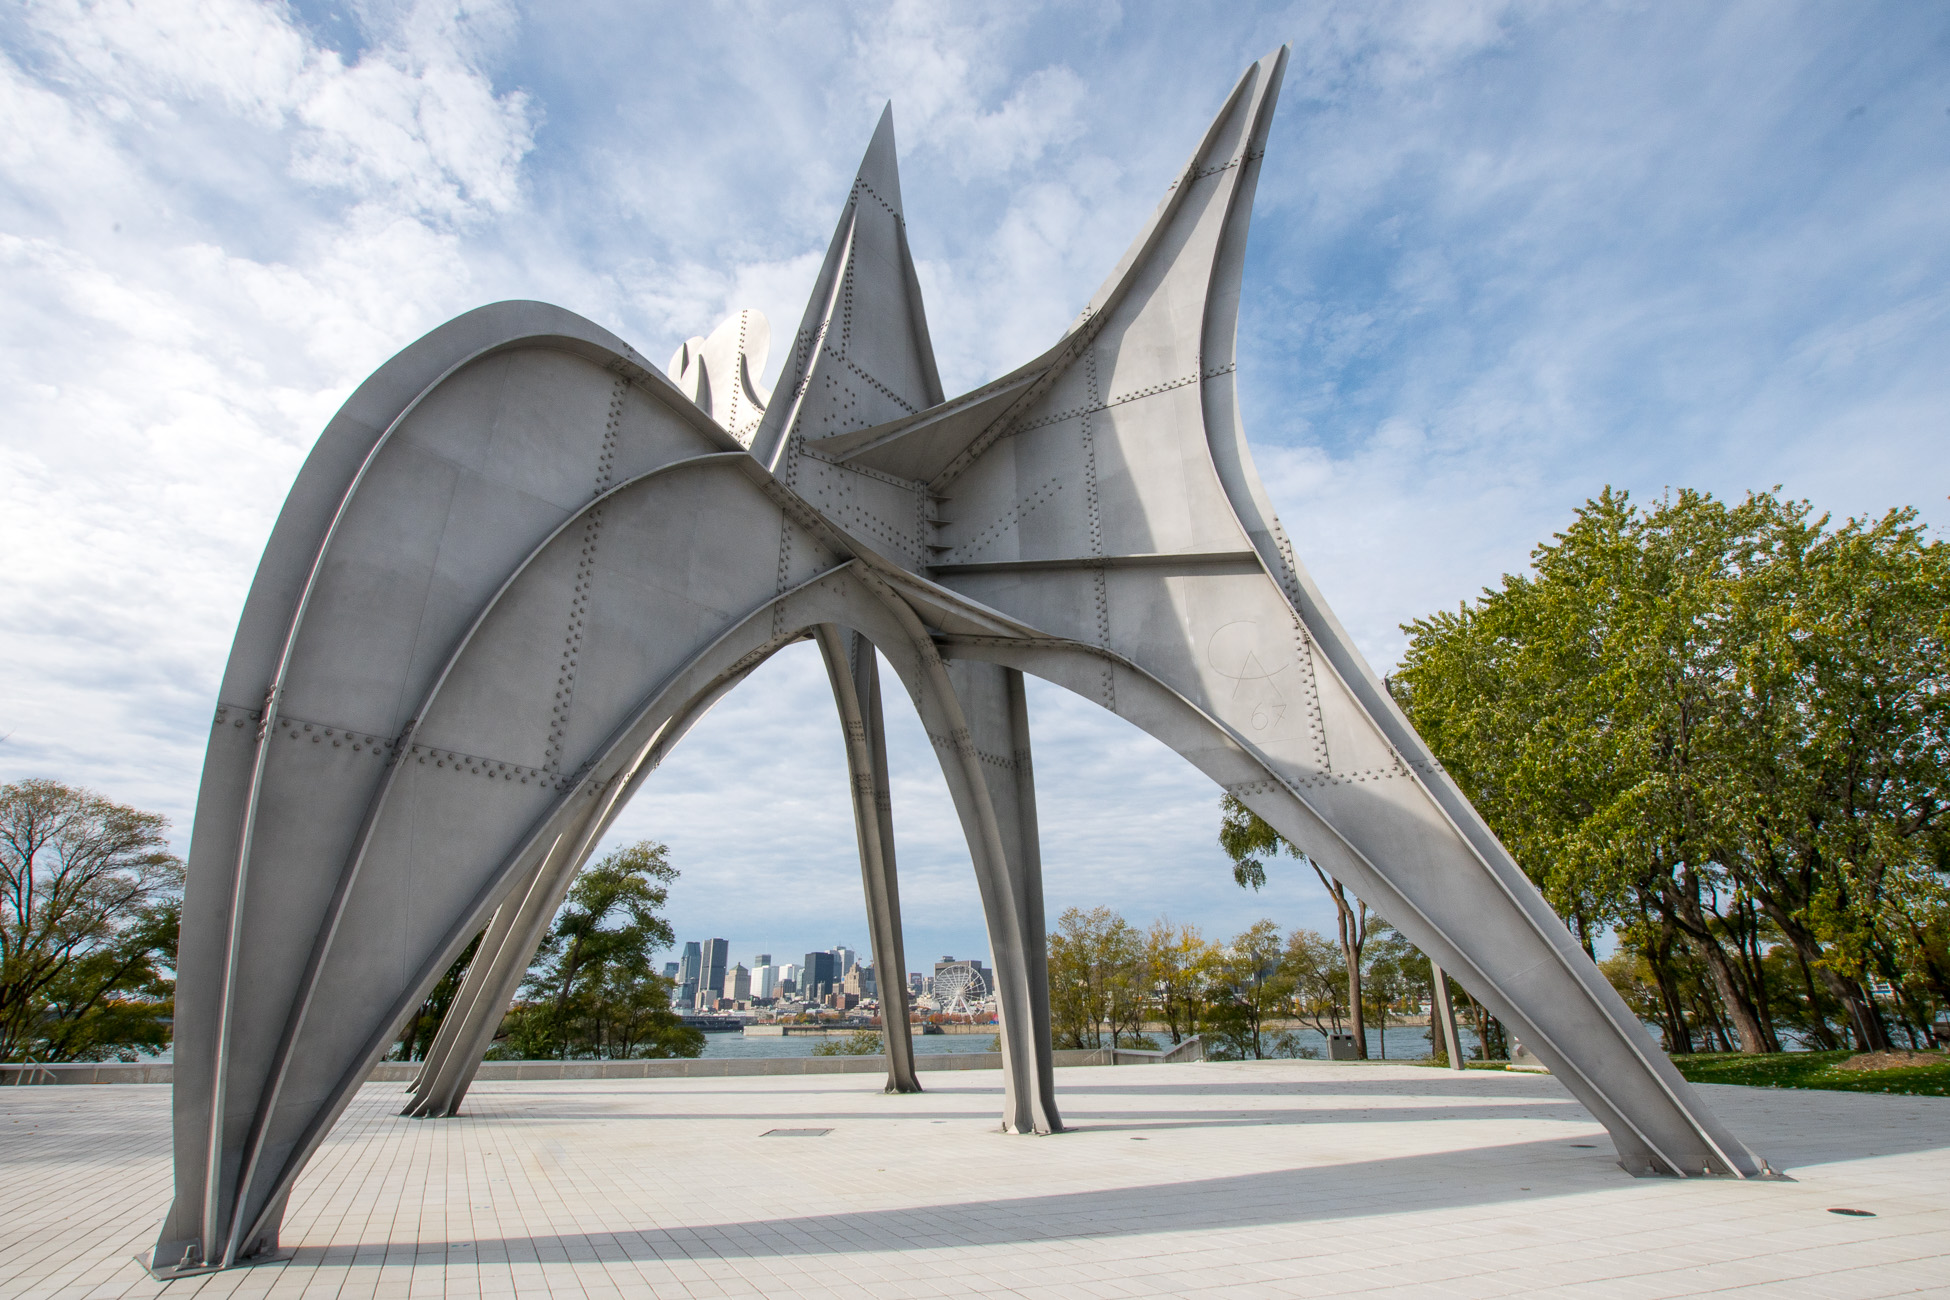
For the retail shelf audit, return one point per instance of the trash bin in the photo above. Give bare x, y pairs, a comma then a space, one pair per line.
1340, 1047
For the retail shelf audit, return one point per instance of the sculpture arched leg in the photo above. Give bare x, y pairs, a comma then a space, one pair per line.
855, 673
373, 870
509, 943
997, 812
1478, 919
491, 980
997, 710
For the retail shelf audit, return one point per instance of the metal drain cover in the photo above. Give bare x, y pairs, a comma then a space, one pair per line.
795, 1132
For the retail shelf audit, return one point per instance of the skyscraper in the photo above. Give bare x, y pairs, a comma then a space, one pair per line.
859, 981
687, 976
763, 959
738, 984
843, 959
817, 978
711, 971
765, 982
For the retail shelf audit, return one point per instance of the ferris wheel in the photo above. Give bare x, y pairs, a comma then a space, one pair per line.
959, 989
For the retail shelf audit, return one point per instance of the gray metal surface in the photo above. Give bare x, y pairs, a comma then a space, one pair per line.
855, 673
521, 561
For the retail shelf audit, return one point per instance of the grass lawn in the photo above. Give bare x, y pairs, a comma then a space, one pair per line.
1815, 1070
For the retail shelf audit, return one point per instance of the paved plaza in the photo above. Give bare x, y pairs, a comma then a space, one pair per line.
1263, 1179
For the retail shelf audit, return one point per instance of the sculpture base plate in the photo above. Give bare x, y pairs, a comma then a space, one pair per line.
170, 1272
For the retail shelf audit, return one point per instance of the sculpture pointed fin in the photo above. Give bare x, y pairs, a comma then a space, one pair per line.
862, 355
1181, 264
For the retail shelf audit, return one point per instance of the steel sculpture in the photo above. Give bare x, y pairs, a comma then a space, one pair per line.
521, 562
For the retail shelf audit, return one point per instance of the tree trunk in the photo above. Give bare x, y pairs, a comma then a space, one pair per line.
570, 962
1871, 1035
1353, 935
1679, 1038
1818, 1019
1752, 971
1681, 898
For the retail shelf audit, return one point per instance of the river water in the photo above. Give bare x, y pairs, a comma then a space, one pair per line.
1404, 1042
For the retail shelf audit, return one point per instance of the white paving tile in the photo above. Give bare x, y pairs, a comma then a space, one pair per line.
1268, 1179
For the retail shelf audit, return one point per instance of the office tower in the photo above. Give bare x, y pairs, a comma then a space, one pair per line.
711, 971
765, 982
914, 979
763, 959
869, 986
817, 977
789, 972
687, 975
670, 971
739, 985
843, 959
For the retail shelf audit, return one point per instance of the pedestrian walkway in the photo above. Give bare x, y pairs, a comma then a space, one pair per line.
1265, 1179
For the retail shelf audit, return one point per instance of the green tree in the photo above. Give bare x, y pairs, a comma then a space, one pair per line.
1396, 973
88, 919
1097, 979
857, 1043
1718, 728
1253, 971
1249, 840
1179, 962
1837, 722
592, 990
1318, 970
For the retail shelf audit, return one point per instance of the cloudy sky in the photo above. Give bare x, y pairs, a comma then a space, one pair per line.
1504, 254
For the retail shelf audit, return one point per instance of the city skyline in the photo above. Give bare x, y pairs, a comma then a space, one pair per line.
689, 991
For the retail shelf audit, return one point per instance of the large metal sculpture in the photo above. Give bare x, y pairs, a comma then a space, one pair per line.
521, 562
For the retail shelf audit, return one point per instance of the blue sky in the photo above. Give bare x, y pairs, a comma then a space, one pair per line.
1503, 255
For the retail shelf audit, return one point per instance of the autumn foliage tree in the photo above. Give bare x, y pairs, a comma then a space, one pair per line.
88, 918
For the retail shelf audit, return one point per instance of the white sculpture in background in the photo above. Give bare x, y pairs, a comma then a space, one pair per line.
521, 562
720, 373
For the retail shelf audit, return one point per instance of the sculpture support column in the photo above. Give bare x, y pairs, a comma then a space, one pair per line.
509, 943
855, 673
465, 1008
997, 713
1445, 1013
495, 974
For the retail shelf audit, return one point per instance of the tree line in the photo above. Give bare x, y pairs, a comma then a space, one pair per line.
1250, 997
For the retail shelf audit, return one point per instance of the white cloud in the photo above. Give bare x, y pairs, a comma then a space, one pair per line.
162, 379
